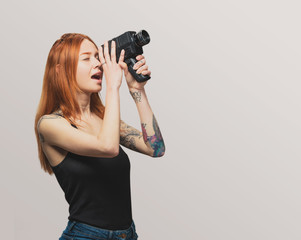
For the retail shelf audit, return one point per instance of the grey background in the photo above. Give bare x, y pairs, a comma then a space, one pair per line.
225, 90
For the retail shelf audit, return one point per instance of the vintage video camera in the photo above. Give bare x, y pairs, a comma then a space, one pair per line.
132, 44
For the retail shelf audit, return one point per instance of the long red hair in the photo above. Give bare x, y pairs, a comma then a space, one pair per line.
60, 87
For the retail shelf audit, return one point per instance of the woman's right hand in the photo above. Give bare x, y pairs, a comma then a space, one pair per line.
112, 70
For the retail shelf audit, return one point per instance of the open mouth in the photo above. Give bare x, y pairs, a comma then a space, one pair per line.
96, 76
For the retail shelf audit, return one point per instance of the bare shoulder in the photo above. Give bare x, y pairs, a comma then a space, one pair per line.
43, 120
48, 116
59, 136
53, 153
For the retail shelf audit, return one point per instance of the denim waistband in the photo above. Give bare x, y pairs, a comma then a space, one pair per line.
72, 223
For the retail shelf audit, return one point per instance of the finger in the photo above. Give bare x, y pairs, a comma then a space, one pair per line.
106, 52
139, 64
145, 67
113, 52
147, 72
124, 66
121, 58
101, 57
139, 57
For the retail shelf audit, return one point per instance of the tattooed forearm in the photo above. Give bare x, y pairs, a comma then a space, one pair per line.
127, 136
155, 141
42, 139
136, 95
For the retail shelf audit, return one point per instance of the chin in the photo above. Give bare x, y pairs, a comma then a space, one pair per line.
98, 89
92, 90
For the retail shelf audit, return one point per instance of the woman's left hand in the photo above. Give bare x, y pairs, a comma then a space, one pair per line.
140, 67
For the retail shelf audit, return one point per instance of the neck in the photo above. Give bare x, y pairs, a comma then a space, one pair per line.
84, 104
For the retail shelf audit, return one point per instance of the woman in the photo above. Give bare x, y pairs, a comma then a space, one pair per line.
78, 137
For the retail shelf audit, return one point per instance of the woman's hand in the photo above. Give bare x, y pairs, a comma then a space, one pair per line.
140, 67
111, 69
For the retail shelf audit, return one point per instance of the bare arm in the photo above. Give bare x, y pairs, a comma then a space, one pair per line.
132, 138
150, 129
57, 131
111, 121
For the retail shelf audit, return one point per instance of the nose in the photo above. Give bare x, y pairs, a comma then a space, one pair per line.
96, 63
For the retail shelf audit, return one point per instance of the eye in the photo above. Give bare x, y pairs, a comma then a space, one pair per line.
86, 59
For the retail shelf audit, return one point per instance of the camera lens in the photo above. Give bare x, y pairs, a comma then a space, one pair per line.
142, 38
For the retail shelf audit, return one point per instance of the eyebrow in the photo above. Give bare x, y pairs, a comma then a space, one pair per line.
88, 53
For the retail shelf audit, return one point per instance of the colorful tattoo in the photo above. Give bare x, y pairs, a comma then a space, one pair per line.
143, 126
155, 141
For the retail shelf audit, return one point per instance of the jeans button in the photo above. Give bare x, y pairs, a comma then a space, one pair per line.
123, 235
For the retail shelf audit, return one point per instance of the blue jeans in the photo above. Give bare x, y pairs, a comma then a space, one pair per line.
81, 231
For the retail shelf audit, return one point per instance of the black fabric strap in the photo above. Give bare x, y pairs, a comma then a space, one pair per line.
64, 117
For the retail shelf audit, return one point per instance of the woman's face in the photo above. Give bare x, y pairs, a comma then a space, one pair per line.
88, 65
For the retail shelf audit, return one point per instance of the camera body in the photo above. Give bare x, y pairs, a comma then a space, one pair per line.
132, 44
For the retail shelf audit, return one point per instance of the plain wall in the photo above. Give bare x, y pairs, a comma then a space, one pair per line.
225, 90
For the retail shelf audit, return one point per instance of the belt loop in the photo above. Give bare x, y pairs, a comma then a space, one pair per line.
71, 225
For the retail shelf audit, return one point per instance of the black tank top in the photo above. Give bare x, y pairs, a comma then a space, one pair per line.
97, 189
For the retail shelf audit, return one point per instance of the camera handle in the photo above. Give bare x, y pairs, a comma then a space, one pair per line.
139, 77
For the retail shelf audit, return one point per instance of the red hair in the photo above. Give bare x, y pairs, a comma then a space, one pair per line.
60, 87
